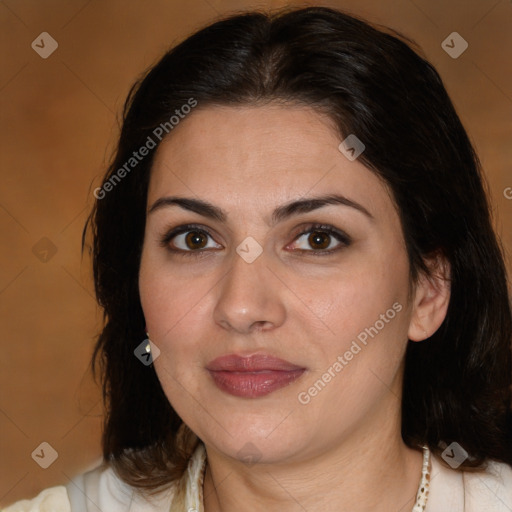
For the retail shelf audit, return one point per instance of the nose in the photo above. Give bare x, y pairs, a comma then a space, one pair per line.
250, 297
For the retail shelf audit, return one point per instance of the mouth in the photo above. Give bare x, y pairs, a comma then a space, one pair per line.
254, 376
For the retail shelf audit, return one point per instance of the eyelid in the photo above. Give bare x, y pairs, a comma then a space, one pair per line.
170, 234
341, 236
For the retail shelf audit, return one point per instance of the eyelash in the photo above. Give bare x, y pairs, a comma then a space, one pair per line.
343, 238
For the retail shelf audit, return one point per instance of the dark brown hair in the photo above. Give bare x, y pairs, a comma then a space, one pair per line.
457, 384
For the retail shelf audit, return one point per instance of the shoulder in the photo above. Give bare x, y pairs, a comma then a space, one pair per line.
97, 490
53, 499
101, 490
453, 490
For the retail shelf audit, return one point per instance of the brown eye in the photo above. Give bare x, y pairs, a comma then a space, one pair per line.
189, 239
196, 240
319, 240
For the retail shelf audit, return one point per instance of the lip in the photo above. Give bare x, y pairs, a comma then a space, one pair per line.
253, 363
253, 376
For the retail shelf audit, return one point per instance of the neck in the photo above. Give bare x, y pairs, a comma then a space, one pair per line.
372, 469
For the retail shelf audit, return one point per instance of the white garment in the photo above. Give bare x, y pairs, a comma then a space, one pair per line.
99, 490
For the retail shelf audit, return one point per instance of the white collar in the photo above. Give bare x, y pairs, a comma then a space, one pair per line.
451, 490
189, 490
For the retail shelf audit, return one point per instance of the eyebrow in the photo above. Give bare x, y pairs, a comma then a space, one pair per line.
281, 213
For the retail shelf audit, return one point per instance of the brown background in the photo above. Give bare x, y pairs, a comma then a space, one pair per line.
58, 127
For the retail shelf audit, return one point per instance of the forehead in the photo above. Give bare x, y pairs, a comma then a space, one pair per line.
248, 156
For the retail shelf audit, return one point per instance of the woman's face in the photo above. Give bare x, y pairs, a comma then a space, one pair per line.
250, 278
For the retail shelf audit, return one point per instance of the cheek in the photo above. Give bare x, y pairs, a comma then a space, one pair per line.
172, 310
358, 298
366, 310
170, 302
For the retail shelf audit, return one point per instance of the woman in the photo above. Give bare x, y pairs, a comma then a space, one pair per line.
306, 305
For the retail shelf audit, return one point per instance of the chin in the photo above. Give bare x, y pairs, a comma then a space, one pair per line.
257, 442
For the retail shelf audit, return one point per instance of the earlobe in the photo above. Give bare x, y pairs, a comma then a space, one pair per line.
431, 299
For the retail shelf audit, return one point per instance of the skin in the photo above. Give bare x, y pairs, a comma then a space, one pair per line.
343, 450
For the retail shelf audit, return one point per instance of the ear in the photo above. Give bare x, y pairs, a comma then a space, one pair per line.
431, 299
